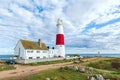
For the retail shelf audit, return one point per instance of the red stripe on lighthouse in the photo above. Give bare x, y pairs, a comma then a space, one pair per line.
59, 39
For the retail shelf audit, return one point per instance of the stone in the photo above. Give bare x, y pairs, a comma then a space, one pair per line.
47, 78
82, 69
99, 77
90, 70
75, 68
92, 78
88, 77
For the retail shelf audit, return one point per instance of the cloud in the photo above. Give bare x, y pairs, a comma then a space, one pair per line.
88, 25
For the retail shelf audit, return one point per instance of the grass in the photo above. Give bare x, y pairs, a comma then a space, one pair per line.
101, 66
106, 64
113, 75
97, 60
65, 73
106, 68
53, 62
50, 62
6, 67
58, 74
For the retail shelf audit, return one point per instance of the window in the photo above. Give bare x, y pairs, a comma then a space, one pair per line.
30, 51
44, 51
38, 51
38, 57
30, 57
44, 57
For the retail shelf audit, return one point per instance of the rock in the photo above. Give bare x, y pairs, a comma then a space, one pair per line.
82, 69
75, 68
61, 68
90, 70
100, 77
92, 78
88, 77
47, 78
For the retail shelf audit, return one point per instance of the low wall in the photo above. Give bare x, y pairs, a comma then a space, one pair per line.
26, 61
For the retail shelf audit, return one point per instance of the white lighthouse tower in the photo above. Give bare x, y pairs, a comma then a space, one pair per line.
60, 39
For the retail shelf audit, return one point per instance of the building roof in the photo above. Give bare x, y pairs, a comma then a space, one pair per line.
33, 45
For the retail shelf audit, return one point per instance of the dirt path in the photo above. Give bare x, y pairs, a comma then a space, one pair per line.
22, 70
27, 70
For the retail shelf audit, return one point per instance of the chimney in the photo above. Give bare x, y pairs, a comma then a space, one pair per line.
48, 47
53, 48
39, 42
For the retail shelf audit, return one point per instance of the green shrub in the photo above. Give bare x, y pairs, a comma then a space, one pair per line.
6, 67
115, 63
49, 62
56, 74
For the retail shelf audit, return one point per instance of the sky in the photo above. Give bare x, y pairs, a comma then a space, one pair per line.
89, 25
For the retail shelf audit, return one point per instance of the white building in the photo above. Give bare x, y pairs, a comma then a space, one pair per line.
26, 50
30, 51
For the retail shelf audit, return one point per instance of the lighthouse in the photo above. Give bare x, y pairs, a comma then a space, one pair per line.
60, 39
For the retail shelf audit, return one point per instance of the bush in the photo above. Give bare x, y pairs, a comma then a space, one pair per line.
6, 67
66, 68
115, 63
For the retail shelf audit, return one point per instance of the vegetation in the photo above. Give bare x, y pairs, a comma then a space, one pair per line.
58, 74
112, 75
50, 62
74, 55
55, 62
6, 67
102, 66
108, 68
111, 64
116, 64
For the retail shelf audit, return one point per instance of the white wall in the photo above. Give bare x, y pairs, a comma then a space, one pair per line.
61, 50
26, 61
52, 53
34, 54
26, 54
20, 53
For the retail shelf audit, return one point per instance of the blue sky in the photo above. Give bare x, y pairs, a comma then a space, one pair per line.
89, 25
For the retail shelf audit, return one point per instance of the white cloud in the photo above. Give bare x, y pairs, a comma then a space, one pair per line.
33, 19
